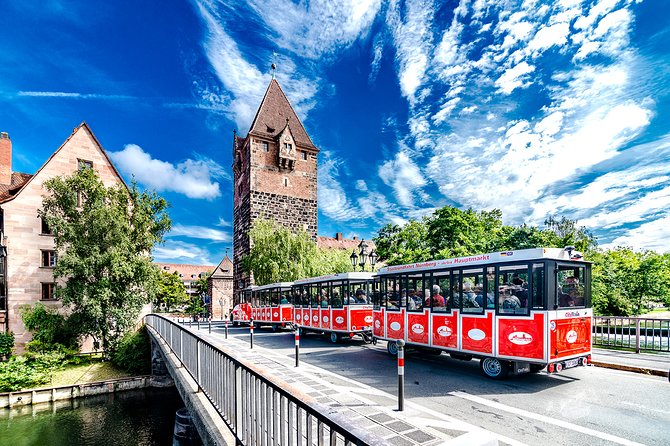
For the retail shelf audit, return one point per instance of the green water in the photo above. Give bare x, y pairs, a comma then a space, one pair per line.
132, 418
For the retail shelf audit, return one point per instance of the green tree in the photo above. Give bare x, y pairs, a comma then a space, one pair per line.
104, 237
408, 243
278, 255
51, 330
563, 232
453, 232
171, 291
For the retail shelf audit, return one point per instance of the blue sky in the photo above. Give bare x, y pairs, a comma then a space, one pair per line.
532, 107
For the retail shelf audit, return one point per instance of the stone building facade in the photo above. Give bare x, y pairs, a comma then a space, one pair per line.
221, 290
275, 175
27, 268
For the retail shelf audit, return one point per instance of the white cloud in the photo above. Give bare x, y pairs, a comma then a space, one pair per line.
175, 251
333, 199
549, 36
223, 223
405, 177
654, 235
515, 77
193, 178
199, 232
72, 95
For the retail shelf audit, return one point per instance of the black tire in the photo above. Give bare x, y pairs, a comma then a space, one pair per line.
392, 348
461, 356
494, 368
334, 337
536, 368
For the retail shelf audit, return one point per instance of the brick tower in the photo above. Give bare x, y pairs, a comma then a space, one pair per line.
274, 170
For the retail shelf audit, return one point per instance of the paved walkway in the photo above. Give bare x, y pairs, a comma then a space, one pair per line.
367, 407
651, 364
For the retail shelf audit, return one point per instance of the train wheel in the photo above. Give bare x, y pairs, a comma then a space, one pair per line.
392, 348
494, 368
334, 338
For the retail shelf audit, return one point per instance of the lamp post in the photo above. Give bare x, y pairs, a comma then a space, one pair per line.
373, 259
221, 304
354, 259
363, 256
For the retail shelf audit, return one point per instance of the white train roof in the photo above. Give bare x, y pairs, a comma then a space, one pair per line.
358, 276
484, 259
273, 285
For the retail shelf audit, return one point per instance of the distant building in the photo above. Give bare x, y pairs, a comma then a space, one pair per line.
221, 290
188, 274
28, 257
275, 169
339, 242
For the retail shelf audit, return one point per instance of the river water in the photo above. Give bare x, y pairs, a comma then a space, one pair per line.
132, 418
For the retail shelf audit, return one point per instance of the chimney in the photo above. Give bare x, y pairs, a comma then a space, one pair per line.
355, 237
338, 236
5, 158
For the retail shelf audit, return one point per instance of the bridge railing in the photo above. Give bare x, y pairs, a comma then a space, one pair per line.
255, 407
640, 334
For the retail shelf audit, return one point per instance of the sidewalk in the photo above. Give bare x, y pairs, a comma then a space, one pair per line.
651, 364
365, 406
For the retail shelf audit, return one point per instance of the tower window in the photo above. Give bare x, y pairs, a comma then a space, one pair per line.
304, 156
48, 291
266, 146
285, 182
45, 228
48, 259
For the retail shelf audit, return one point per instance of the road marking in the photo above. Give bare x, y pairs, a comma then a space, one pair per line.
544, 419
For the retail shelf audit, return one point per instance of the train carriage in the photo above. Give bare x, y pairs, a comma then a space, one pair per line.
518, 311
242, 312
271, 305
336, 304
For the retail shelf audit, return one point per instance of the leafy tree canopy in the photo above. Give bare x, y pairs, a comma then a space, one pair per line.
278, 255
171, 291
104, 236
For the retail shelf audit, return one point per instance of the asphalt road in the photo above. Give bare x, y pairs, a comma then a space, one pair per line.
579, 406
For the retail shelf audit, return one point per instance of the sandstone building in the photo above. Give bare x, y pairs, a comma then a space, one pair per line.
275, 172
27, 267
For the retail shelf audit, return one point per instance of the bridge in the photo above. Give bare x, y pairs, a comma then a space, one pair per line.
238, 397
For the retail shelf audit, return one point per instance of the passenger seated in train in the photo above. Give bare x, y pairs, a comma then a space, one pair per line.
406, 301
521, 290
570, 294
436, 299
283, 300
415, 297
324, 299
336, 301
509, 300
469, 296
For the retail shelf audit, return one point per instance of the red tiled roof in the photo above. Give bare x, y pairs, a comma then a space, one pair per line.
187, 272
272, 114
224, 269
333, 243
7, 191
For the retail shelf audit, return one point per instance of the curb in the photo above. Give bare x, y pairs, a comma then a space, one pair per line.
631, 368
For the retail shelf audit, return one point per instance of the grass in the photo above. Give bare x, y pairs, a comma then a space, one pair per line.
92, 369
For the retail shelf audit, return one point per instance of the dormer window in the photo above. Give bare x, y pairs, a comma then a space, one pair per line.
265, 146
304, 156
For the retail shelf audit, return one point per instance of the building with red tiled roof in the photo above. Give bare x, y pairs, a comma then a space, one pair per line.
189, 274
26, 268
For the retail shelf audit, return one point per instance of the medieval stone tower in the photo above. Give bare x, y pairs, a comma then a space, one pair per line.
274, 170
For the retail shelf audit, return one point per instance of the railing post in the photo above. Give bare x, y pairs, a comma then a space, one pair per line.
210, 325
237, 392
297, 346
181, 347
226, 327
251, 333
198, 323
197, 362
401, 374
637, 335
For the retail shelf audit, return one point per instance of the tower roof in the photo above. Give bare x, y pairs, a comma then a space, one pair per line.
224, 269
274, 113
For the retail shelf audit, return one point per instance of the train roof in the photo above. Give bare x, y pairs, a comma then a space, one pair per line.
334, 277
273, 285
484, 259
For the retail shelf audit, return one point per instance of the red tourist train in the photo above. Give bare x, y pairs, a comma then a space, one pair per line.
271, 305
518, 311
242, 312
337, 304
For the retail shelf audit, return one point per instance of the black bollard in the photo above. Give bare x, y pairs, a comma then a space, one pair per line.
226, 326
401, 374
210, 324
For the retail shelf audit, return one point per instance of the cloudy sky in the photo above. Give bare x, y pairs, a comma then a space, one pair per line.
533, 107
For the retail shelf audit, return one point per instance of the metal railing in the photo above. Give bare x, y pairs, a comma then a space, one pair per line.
639, 334
257, 410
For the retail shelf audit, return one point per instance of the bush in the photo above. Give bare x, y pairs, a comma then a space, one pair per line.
6, 344
31, 370
133, 353
51, 330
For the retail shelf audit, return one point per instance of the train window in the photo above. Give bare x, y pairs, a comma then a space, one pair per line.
415, 297
359, 294
274, 295
336, 291
438, 294
455, 290
392, 293
570, 286
285, 296
305, 293
324, 295
513, 289
537, 289
490, 287
472, 291
377, 293
314, 298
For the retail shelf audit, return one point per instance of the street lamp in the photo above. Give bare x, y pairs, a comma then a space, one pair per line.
373, 259
221, 303
362, 254
354, 259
